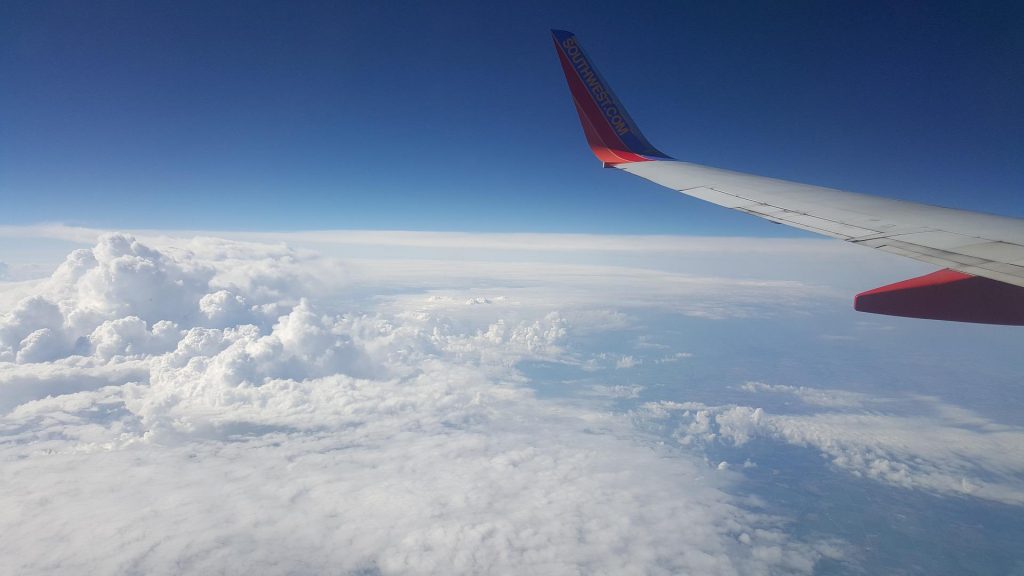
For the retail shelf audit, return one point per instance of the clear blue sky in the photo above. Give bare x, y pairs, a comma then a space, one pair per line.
441, 116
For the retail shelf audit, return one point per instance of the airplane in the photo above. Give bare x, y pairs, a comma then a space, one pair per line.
982, 255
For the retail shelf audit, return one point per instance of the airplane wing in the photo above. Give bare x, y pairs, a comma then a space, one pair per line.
982, 255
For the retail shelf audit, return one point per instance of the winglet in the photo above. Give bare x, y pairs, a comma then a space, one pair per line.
948, 295
611, 133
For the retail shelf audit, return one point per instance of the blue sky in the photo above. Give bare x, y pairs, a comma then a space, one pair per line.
287, 116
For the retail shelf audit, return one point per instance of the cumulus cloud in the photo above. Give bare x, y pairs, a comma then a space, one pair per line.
229, 407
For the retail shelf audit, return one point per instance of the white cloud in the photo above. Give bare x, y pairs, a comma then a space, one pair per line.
31, 315
490, 241
814, 396
130, 336
939, 448
674, 357
848, 268
627, 362
218, 406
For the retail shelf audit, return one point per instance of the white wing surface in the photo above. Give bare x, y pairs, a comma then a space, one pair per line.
969, 242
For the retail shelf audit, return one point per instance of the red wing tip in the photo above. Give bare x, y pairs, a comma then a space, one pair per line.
947, 295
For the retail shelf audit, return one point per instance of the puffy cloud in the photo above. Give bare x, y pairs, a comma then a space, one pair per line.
130, 336
41, 345
32, 315
217, 407
119, 280
223, 308
121, 276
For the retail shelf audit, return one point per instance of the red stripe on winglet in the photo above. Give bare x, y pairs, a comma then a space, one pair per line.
607, 155
603, 141
948, 295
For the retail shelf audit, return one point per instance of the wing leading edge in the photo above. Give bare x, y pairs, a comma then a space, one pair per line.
983, 254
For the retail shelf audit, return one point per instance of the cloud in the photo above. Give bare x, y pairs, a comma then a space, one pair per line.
430, 239
215, 406
937, 448
627, 362
674, 357
815, 396
828, 266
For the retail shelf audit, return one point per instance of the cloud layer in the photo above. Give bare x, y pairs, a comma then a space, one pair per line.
913, 443
222, 406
